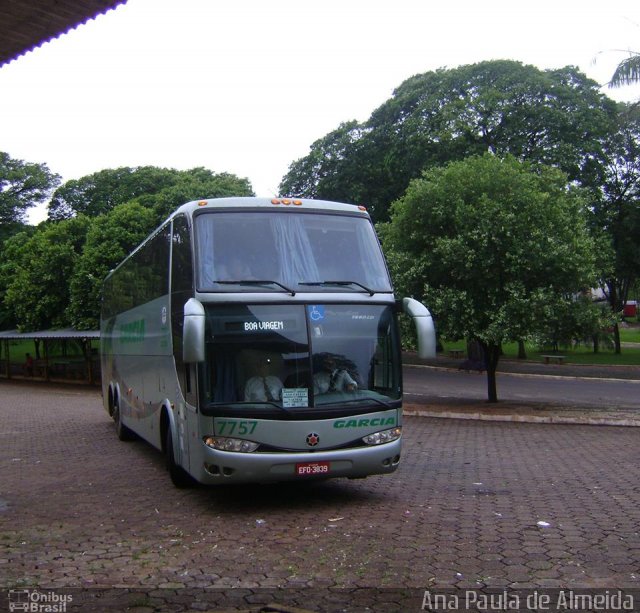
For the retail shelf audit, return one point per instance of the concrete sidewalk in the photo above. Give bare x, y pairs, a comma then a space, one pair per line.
532, 412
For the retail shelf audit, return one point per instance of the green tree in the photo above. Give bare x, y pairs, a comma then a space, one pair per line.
101, 191
321, 173
38, 292
575, 320
162, 188
556, 117
194, 184
110, 239
22, 186
10, 257
494, 246
616, 210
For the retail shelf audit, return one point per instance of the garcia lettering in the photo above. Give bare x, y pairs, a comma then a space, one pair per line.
364, 422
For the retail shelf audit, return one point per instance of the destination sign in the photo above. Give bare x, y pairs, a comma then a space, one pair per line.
252, 326
270, 325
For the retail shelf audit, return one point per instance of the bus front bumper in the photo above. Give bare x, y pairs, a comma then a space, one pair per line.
218, 467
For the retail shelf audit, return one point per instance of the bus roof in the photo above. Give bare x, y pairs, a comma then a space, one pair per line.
293, 203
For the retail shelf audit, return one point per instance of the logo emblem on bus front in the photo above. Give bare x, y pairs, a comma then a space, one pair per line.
313, 439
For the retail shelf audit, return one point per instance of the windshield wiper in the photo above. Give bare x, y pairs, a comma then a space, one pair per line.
257, 282
340, 283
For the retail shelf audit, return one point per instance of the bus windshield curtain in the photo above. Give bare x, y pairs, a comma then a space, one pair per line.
206, 271
225, 380
297, 262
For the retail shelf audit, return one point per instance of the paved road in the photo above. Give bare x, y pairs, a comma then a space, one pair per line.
426, 384
474, 506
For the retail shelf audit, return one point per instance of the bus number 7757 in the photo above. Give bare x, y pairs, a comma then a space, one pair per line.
230, 427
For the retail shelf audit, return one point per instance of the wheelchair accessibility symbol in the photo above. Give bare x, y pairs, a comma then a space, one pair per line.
316, 312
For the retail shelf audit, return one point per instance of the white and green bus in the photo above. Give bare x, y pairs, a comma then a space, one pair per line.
256, 340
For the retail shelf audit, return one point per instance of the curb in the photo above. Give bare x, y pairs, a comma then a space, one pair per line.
514, 417
531, 375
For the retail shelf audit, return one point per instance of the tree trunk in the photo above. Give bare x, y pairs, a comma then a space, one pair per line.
617, 301
491, 356
616, 338
522, 351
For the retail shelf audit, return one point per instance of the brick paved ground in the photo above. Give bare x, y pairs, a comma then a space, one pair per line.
79, 509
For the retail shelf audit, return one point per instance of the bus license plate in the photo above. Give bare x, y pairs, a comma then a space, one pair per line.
312, 468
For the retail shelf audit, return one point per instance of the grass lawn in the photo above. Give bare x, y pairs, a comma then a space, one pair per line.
18, 349
582, 354
630, 334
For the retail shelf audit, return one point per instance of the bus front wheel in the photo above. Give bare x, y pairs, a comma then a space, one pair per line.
179, 476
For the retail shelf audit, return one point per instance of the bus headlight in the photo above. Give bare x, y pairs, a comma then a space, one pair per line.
386, 436
223, 443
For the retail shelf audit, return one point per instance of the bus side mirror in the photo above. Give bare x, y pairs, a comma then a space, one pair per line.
424, 327
193, 332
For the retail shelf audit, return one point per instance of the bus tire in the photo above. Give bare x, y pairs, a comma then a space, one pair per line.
122, 432
179, 476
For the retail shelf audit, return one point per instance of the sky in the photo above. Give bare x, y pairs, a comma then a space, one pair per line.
246, 86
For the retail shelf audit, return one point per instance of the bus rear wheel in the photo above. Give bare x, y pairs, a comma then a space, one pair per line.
123, 433
179, 476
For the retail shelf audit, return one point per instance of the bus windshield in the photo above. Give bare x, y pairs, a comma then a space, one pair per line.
294, 360
278, 251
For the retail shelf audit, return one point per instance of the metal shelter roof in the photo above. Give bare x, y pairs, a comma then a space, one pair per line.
27, 25
67, 333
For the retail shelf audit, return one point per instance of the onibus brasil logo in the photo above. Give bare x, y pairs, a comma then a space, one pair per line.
38, 601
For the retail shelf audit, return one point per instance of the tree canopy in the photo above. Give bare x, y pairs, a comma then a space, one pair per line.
38, 292
494, 246
556, 117
110, 239
51, 276
22, 186
162, 188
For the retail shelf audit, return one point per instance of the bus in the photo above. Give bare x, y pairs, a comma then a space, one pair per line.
255, 340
